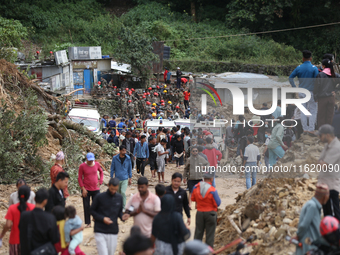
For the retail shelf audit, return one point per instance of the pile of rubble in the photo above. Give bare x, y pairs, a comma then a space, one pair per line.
272, 207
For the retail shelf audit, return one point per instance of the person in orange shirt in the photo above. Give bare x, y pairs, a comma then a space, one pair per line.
207, 200
57, 168
186, 98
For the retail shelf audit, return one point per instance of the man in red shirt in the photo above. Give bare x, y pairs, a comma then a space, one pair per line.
165, 74
213, 156
89, 183
186, 98
57, 168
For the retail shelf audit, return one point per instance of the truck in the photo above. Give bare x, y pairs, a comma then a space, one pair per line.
86, 115
155, 124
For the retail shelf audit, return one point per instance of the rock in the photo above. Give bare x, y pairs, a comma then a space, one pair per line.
279, 190
279, 233
255, 225
261, 225
236, 212
266, 229
272, 231
250, 230
283, 194
294, 223
287, 186
253, 211
287, 221
278, 221
311, 187
290, 215
305, 176
259, 233
106, 179
284, 204
283, 214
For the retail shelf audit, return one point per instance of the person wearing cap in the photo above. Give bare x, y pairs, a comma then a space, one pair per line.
310, 218
207, 201
178, 76
89, 183
330, 160
57, 168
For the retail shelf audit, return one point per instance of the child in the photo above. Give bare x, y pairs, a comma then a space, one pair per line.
72, 223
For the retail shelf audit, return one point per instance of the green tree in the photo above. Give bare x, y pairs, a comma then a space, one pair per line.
21, 134
11, 34
136, 50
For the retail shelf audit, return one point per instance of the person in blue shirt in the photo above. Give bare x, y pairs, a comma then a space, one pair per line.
121, 168
306, 72
112, 123
141, 151
277, 112
103, 122
121, 124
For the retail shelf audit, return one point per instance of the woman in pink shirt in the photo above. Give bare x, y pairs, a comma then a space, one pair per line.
89, 183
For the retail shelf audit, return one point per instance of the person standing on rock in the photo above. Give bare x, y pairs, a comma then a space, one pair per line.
310, 218
207, 201
106, 208
57, 168
330, 160
306, 73
121, 168
89, 184
276, 146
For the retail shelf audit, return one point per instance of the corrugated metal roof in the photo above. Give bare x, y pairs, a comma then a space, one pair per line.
246, 80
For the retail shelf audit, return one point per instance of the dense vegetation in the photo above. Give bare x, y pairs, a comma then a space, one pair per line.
59, 24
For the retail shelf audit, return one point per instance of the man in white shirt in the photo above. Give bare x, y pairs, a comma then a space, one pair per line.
14, 199
251, 160
161, 154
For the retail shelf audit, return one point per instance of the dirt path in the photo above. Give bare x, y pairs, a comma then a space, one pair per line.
228, 188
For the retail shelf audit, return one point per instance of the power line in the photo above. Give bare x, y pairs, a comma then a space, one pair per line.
256, 33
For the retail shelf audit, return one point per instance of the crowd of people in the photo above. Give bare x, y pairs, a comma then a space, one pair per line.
46, 220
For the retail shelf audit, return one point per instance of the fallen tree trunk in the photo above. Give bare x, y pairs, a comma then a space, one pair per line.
83, 130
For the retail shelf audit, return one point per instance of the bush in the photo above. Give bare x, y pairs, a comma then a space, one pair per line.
21, 134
